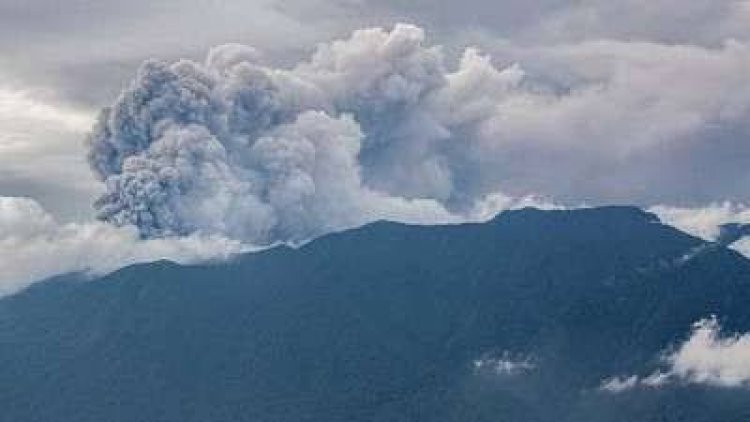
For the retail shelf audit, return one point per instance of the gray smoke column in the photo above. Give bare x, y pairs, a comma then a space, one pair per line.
369, 127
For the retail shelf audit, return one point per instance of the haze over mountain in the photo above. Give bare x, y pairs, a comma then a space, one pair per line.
583, 315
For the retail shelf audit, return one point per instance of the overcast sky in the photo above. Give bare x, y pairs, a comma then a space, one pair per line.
62, 61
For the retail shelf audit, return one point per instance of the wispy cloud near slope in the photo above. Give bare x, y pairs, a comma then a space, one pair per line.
707, 357
34, 246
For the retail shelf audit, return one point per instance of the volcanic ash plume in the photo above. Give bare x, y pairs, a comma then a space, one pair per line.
369, 127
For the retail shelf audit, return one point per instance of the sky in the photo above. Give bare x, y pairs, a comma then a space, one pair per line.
307, 122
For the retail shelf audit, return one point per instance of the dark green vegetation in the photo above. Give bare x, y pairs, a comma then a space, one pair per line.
383, 323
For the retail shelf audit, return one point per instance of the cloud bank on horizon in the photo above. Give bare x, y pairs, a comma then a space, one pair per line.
34, 246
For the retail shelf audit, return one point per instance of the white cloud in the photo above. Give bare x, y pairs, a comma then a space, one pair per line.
34, 246
704, 222
504, 365
42, 150
619, 384
707, 357
19, 107
742, 246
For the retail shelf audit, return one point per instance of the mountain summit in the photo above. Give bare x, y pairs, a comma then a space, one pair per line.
521, 318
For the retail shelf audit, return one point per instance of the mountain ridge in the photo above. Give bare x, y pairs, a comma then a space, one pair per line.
633, 212
382, 323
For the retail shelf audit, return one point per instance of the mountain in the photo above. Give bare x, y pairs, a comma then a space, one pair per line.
387, 322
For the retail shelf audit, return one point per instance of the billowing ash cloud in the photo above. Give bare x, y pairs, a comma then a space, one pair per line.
370, 127
380, 126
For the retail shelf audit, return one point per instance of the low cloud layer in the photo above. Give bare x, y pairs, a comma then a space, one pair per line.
708, 357
706, 222
34, 246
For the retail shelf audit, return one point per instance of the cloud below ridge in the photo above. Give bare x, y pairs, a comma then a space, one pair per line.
707, 357
34, 246
705, 222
